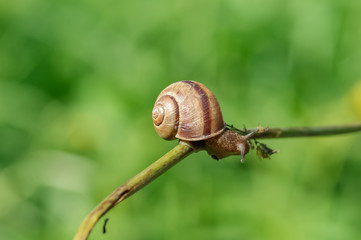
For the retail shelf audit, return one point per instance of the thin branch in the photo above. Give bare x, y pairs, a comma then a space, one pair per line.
300, 131
181, 151
157, 168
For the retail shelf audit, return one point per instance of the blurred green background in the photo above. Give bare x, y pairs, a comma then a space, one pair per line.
78, 80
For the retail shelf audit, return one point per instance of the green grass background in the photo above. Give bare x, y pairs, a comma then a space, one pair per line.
78, 80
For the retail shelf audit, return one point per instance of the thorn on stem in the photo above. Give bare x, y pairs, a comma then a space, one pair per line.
104, 226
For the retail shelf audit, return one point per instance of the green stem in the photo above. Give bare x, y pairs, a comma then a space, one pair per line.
153, 171
305, 131
181, 151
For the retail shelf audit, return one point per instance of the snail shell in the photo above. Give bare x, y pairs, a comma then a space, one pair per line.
189, 111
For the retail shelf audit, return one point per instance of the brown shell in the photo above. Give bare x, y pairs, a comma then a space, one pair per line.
189, 111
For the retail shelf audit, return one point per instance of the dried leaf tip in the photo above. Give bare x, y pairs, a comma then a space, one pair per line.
263, 151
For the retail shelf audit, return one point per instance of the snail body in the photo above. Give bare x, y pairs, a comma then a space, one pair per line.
189, 111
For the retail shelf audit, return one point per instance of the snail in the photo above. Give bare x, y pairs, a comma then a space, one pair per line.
190, 112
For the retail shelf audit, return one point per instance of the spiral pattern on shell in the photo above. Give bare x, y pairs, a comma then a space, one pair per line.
187, 110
